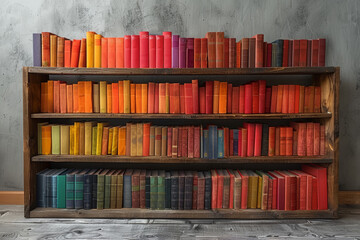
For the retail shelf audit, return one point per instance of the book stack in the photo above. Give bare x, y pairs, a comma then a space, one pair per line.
172, 51
304, 189
212, 142
212, 97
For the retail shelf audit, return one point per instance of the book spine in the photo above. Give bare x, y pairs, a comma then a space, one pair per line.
127, 201
167, 49
144, 49
204, 53
219, 49
175, 51
127, 51
135, 51
152, 51
119, 52
159, 51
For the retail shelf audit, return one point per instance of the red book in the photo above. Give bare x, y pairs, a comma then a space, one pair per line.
271, 151
302, 52
258, 140
297, 99
303, 191
251, 60
146, 139
314, 52
308, 54
184, 142
285, 99
174, 142
211, 39
321, 175
144, 49
259, 50
309, 139
152, 51
67, 53
159, 51
277, 141
135, 51
226, 142
301, 142
269, 54
220, 188
226, 52
197, 53
282, 141
204, 53
265, 54
248, 98
82, 55
322, 48
189, 53
322, 140
195, 96
296, 53
235, 100
188, 98
244, 52
274, 96
231, 192
317, 99
285, 57
291, 42
238, 54
294, 182
209, 88
241, 144
316, 139
314, 200
219, 49
232, 52
280, 190
267, 99
288, 141
202, 99
69, 98
197, 142
151, 97
115, 98
179, 148
231, 142
309, 99
104, 52
250, 138
62, 97
301, 99
156, 98
111, 52
214, 189
169, 142
175, 98
262, 93
119, 45
75, 52
127, 51
162, 97
182, 98
229, 98
167, 49
244, 188
242, 99
279, 100
291, 107
190, 142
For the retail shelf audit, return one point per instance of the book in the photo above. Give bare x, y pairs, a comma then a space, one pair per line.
159, 51
167, 49
144, 49
211, 39
119, 47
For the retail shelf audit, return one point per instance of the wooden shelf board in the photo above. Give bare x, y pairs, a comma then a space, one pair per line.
190, 214
152, 159
182, 71
180, 116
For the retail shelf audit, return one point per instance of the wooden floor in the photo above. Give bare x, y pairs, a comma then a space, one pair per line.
14, 226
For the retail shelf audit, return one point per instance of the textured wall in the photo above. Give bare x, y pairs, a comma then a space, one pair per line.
337, 21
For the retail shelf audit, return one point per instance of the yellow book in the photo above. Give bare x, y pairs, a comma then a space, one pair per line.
126, 85
259, 193
97, 51
55, 139
76, 138
114, 147
100, 128
103, 92
71, 145
94, 141
133, 144
64, 137
110, 140
90, 49
139, 136
252, 190
122, 141
82, 139
144, 98
53, 50
88, 137
96, 97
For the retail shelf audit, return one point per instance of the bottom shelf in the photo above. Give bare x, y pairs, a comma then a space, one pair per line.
189, 214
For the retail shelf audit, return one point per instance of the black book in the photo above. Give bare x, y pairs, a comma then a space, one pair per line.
167, 190
188, 190
88, 192
94, 188
147, 189
207, 197
277, 53
127, 188
41, 188
181, 189
174, 190
265, 140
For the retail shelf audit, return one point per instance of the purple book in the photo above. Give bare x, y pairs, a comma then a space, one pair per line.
182, 53
175, 51
37, 49
190, 53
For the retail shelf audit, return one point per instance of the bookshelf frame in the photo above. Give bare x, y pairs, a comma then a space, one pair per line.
326, 77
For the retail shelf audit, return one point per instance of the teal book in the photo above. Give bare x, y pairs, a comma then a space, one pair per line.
53, 188
70, 189
107, 188
79, 189
161, 190
61, 189
153, 189
220, 142
206, 144
100, 189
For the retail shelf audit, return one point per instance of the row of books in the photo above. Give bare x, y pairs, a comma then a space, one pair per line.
304, 189
175, 98
172, 51
142, 139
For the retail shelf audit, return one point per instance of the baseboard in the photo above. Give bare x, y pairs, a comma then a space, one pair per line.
17, 197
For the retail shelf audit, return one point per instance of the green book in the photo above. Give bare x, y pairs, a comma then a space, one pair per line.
100, 189
70, 189
153, 189
79, 189
113, 185
161, 190
119, 189
94, 141
61, 189
39, 142
107, 188
55, 139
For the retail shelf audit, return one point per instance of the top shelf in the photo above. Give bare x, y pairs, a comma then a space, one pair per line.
182, 71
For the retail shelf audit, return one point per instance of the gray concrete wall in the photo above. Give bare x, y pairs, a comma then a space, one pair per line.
337, 21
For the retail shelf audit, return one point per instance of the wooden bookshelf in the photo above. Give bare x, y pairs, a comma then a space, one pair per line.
326, 77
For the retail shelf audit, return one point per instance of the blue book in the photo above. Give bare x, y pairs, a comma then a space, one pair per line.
220, 142
70, 189
79, 189
174, 190
147, 188
213, 153
201, 142
206, 143
277, 53
207, 193
41, 188
236, 142
88, 191
52, 197
37, 49
127, 189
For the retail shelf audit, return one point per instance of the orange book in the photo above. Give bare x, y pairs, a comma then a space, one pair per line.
90, 49
162, 97
144, 98
111, 52
67, 53
219, 49
167, 97
63, 98
292, 93
45, 49
132, 97
105, 141
119, 52
53, 50
97, 50
75, 98
279, 100
69, 98
56, 96
75, 53
301, 99
223, 97
127, 96
121, 96
317, 100
271, 151
104, 52
50, 96
60, 52
44, 97
285, 99
138, 98
81, 96
82, 56
211, 37
46, 140
146, 139
88, 97
122, 141
216, 97
115, 97
108, 98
